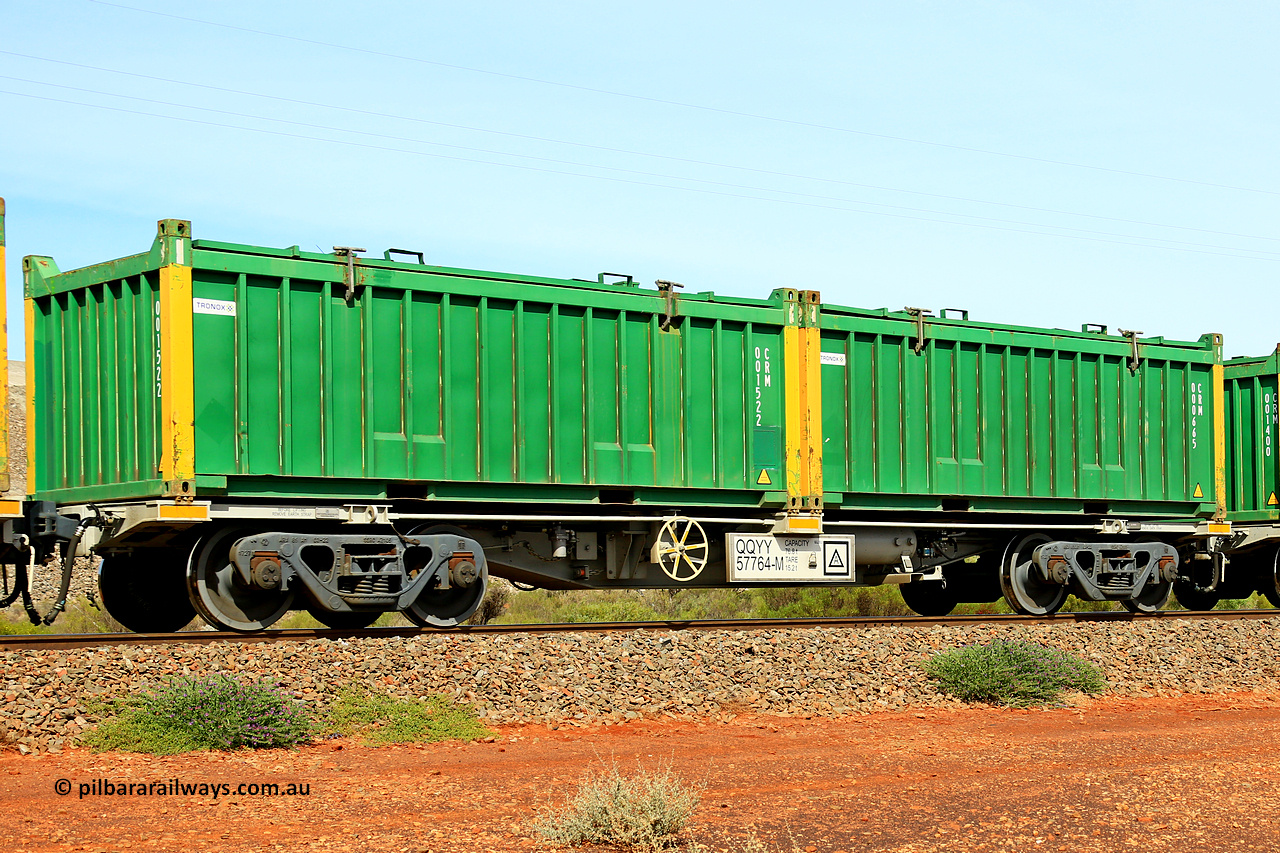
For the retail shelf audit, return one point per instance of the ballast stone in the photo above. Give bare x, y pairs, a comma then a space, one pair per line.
587, 679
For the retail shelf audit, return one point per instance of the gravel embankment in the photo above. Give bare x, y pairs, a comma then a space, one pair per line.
49, 697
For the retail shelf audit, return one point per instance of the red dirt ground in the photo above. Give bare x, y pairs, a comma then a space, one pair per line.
1192, 773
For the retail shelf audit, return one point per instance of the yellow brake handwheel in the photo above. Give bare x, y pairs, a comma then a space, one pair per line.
681, 549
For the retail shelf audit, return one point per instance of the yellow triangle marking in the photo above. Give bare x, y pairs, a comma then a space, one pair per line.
1198, 493
1271, 501
763, 479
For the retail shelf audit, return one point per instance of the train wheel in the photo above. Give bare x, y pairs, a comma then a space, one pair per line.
346, 621
1192, 599
1153, 597
1269, 576
221, 597
145, 591
928, 598
1023, 588
448, 608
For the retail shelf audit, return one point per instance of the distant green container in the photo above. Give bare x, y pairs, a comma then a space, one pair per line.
943, 413
1253, 449
221, 369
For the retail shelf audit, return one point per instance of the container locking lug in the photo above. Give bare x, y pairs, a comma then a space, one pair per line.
919, 314
1134, 361
670, 303
349, 275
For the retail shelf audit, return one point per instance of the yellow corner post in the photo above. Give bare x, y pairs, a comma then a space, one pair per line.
811, 396
29, 325
796, 467
802, 358
1219, 436
177, 360
4, 363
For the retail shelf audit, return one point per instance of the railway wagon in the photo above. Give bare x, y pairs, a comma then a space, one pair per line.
239, 431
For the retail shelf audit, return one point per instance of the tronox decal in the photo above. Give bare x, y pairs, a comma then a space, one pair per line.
221, 307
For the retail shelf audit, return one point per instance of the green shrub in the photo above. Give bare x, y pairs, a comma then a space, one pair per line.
215, 712
1013, 672
378, 718
497, 599
16, 622
798, 602
623, 610
644, 811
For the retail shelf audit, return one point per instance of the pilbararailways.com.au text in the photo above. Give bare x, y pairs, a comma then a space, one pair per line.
179, 788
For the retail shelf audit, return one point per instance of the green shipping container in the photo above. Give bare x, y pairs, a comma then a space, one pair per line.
221, 369
1253, 455
216, 403
217, 369
942, 413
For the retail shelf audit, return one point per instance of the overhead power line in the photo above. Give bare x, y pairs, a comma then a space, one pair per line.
616, 169
630, 152
1152, 243
685, 104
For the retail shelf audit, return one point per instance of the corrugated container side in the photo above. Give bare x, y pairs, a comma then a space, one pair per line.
1014, 419
93, 382
430, 383
464, 380
1253, 454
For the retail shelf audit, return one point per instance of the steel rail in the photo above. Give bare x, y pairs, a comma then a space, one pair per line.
34, 642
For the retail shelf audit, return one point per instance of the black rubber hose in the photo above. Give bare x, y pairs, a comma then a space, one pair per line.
68, 563
19, 585
1213, 587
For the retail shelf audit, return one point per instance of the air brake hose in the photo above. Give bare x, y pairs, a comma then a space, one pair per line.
1218, 570
68, 563
19, 584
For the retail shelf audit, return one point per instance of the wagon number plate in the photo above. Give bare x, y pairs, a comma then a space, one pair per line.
765, 558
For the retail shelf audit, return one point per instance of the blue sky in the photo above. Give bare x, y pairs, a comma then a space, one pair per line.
1041, 164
